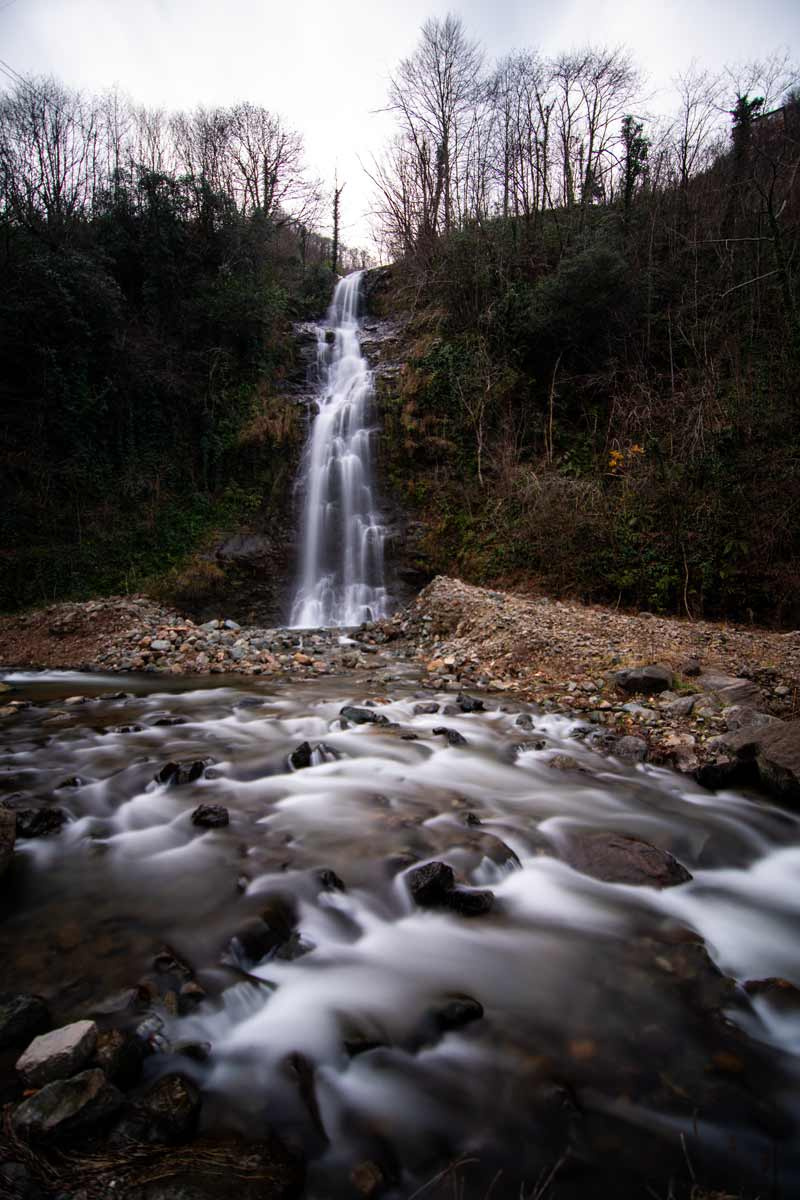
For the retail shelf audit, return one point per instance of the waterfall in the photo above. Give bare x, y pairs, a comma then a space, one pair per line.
341, 572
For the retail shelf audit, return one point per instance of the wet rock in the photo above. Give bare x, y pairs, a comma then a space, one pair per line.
425, 710
775, 751
469, 704
262, 936
177, 773
38, 822
362, 716
456, 1013
367, 1178
781, 994
211, 816
616, 858
430, 884
329, 880
301, 757
57, 1054
454, 738
22, 1017
173, 1107
564, 762
67, 1107
433, 885
644, 681
190, 995
8, 835
119, 1056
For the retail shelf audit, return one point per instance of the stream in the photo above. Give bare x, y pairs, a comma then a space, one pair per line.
576, 1039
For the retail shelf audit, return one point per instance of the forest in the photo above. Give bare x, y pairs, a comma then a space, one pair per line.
600, 349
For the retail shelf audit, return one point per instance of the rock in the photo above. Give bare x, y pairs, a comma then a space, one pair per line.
22, 1017
742, 716
730, 689
301, 757
775, 750
18, 1183
173, 1106
564, 762
160, 644
644, 681
367, 1178
119, 1056
617, 858
780, 993
177, 773
456, 1013
261, 937
433, 885
682, 707
454, 738
8, 835
58, 1054
211, 816
38, 822
690, 667
329, 881
190, 995
251, 551
67, 1107
631, 748
425, 710
680, 748
362, 716
469, 704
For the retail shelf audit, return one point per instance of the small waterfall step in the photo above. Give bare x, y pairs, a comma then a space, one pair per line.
341, 578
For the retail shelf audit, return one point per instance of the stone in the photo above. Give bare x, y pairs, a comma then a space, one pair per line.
211, 816
362, 716
775, 751
781, 994
690, 667
426, 709
742, 716
367, 1178
433, 885
617, 858
682, 707
173, 1106
177, 773
454, 738
730, 689
262, 936
38, 822
456, 1013
634, 749
119, 1056
469, 704
67, 1107
22, 1017
301, 756
58, 1054
644, 681
8, 836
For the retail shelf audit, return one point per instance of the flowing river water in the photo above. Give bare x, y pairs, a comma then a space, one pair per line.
597, 1058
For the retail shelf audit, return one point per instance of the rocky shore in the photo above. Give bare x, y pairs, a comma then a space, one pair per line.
689, 694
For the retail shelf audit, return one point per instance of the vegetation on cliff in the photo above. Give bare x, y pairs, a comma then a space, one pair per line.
602, 360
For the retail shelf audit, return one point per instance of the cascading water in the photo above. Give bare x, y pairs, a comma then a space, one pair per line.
341, 577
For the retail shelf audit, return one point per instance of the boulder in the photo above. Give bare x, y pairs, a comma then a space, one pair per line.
250, 551
362, 716
22, 1017
301, 756
8, 835
426, 709
58, 1054
119, 1056
469, 704
177, 773
454, 738
173, 1105
211, 816
731, 689
775, 751
644, 681
617, 858
633, 749
67, 1107
38, 822
433, 885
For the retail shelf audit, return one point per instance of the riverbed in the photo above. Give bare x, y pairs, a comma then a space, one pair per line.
579, 1034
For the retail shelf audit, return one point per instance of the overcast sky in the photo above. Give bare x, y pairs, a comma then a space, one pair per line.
323, 64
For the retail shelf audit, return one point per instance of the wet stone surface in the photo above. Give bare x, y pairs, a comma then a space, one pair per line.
626, 998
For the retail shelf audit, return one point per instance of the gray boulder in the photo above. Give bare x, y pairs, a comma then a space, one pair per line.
775, 751
730, 689
644, 681
67, 1107
58, 1054
617, 858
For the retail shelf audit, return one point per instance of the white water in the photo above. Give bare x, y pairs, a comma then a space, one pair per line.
341, 579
